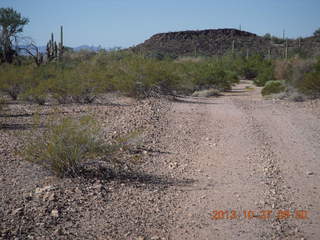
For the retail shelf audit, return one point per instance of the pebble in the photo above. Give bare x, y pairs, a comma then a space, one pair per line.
55, 213
262, 202
17, 211
155, 238
44, 189
49, 197
58, 231
97, 186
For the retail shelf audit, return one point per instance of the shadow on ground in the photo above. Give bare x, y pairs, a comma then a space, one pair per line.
16, 126
134, 178
190, 101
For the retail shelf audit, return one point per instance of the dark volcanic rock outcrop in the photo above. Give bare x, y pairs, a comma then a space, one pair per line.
218, 42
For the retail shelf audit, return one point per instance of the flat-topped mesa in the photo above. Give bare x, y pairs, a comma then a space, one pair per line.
212, 33
208, 42
218, 42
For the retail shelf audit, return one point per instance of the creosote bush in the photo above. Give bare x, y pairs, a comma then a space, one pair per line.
264, 76
272, 87
310, 84
65, 145
82, 77
2, 103
13, 79
304, 75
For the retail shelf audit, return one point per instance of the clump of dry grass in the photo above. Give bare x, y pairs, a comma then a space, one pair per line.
207, 93
281, 68
65, 145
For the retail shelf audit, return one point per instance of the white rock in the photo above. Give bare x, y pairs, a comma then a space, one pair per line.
16, 211
44, 189
55, 213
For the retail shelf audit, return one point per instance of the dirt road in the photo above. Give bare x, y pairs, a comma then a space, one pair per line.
233, 167
255, 163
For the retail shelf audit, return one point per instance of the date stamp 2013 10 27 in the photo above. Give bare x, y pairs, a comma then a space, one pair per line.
261, 214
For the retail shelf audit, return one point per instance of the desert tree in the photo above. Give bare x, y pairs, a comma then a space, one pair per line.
317, 33
11, 24
267, 36
29, 47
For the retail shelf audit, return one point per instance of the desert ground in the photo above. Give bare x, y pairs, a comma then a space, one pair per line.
232, 167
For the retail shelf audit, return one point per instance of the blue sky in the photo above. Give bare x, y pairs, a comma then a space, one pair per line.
124, 23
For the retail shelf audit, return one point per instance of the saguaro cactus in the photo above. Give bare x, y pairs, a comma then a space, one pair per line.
232, 47
50, 48
54, 50
61, 42
286, 49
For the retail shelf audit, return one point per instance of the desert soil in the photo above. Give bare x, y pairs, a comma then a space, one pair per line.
245, 154
234, 167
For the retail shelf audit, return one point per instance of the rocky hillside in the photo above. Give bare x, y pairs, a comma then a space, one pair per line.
220, 42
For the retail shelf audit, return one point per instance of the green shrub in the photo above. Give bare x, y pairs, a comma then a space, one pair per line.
82, 77
65, 145
311, 83
249, 68
248, 71
254, 68
13, 79
304, 75
77, 83
317, 33
37, 94
138, 76
264, 76
209, 74
2, 103
273, 87
297, 70
39, 83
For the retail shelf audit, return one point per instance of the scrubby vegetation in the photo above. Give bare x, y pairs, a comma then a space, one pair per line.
305, 76
168, 63
256, 68
272, 87
82, 77
82, 80
143, 71
2, 102
65, 145
301, 77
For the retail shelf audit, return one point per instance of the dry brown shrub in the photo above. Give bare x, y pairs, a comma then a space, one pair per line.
281, 68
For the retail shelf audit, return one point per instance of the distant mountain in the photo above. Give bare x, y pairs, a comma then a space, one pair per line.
42, 49
88, 48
